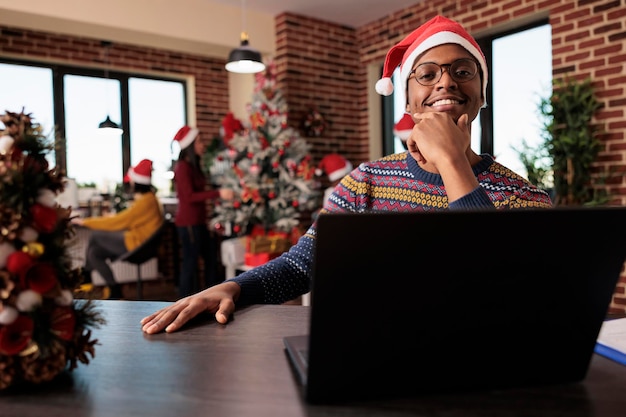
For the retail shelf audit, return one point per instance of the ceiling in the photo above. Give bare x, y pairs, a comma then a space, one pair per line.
353, 13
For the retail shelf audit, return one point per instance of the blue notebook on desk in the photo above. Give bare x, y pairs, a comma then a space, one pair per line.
612, 340
407, 304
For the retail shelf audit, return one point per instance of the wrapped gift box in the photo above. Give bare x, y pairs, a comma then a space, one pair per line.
256, 259
271, 244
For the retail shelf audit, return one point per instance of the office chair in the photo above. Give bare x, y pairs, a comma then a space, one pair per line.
143, 253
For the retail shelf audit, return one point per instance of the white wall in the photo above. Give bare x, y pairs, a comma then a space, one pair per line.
194, 26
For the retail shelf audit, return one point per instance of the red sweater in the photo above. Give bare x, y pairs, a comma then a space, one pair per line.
192, 195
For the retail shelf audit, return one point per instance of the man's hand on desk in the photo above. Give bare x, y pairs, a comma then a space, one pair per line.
77, 221
219, 300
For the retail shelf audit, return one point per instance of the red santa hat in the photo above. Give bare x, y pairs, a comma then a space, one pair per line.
126, 178
403, 128
142, 172
185, 136
335, 166
437, 31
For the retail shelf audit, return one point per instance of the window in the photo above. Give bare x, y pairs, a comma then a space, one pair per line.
76, 100
29, 88
520, 64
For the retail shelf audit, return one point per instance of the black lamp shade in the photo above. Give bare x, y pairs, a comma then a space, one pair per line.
111, 125
245, 60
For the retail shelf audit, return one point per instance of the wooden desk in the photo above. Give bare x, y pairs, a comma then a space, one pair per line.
241, 370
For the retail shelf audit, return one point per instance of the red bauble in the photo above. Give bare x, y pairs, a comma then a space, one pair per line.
16, 336
41, 277
44, 218
63, 322
19, 262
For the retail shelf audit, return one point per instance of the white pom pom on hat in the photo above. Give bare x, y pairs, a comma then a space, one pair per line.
142, 172
185, 136
437, 31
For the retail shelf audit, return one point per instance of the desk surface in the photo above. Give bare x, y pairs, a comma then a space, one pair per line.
241, 370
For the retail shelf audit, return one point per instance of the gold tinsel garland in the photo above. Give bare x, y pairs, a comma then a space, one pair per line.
43, 330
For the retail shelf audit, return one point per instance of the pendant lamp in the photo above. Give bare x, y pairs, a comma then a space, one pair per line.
245, 59
108, 126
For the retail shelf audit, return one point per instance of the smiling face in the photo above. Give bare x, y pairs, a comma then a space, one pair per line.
446, 95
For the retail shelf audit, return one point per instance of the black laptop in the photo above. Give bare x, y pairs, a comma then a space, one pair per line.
410, 304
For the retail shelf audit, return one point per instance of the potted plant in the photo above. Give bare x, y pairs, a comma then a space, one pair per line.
570, 139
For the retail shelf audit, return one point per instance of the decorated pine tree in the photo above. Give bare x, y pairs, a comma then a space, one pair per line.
267, 164
43, 330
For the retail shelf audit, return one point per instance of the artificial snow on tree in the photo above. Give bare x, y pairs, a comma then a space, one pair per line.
43, 330
267, 164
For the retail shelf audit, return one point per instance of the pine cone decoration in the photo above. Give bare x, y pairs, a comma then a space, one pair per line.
40, 367
81, 350
7, 371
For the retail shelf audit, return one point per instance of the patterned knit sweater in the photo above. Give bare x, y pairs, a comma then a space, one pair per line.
393, 183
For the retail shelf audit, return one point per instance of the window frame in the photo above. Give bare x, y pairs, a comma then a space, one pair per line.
58, 92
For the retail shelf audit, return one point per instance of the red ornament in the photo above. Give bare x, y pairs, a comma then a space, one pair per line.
40, 277
271, 195
19, 262
44, 218
295, 203
35, 165
236, 204
275, 164
236, 228
63, 322
250, 155
230, 126
16, 336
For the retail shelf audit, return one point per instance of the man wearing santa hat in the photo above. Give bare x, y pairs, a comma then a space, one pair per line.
115, 235
444, 75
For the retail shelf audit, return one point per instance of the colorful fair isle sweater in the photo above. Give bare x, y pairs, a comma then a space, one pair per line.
393, 183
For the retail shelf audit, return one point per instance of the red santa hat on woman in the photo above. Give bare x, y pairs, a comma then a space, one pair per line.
185, 136
403, 128
437, 31
335, 166
142, 172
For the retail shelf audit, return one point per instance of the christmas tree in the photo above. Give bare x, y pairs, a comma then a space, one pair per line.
267, 164
43, 330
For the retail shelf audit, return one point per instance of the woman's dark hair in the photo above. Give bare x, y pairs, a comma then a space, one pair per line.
189, 154
144, 188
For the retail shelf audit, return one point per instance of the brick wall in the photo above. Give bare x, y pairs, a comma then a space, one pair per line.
211, 80
323, 65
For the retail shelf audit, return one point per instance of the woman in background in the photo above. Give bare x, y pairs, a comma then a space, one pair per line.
191, 213
115, 235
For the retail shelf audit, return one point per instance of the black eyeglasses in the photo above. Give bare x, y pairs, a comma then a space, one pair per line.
429, 73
